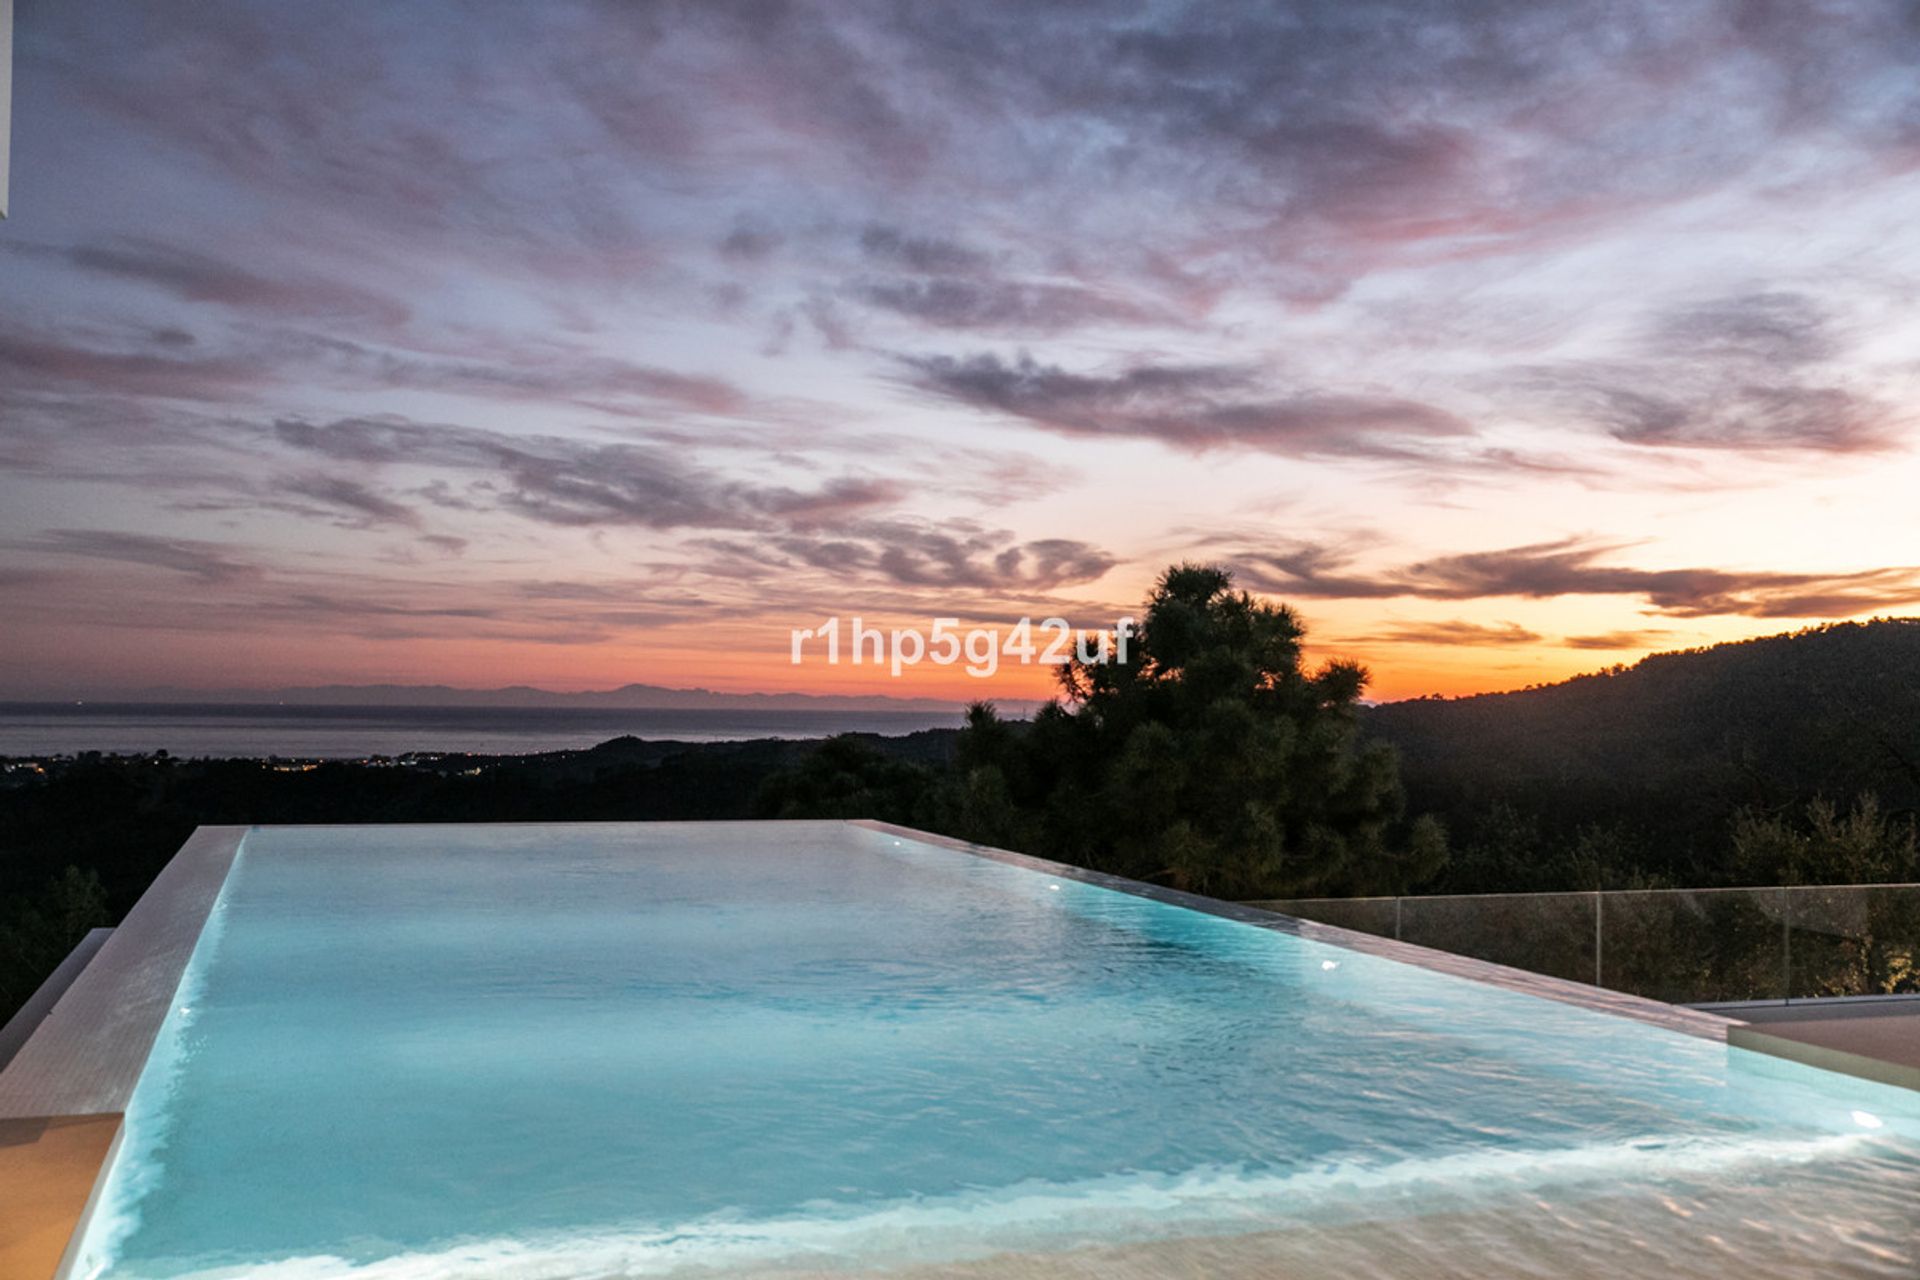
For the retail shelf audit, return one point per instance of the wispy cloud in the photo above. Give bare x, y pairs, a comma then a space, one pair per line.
198, 277
570, 482
1573, 567
153, 370
1191, 407
1456, 632
955, 556
1754, 372
207, 561
1614, 641
350, 496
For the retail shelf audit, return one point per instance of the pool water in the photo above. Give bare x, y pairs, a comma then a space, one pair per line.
581, 1051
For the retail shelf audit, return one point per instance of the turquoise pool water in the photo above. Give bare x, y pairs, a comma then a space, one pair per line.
572, 1052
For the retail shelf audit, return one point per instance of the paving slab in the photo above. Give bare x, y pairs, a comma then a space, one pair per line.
49, 1166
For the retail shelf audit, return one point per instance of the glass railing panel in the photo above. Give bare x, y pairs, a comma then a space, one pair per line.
1682, 946
1550, 933
1854, 940
1695, 946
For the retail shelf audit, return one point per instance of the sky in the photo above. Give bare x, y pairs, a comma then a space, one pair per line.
574, 344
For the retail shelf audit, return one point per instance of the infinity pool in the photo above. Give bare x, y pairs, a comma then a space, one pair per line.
572, 1052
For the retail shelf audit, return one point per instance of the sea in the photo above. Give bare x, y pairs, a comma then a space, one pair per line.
36, 729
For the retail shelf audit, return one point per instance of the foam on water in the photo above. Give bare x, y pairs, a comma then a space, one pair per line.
1108, 1210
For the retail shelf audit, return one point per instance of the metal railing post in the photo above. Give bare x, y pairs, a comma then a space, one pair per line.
1786, 947
1598, 934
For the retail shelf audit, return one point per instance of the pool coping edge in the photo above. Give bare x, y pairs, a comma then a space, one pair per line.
87, 1053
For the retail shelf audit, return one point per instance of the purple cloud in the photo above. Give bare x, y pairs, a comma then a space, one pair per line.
198, 277
211, 563
577, 483
1573, 567
1191, 407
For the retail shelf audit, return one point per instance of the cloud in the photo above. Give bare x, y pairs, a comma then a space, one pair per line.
577, 483
372, 441
1569, 567
1761, 371
38, 362
1310, 570
155, 364
1468, 634
1190, 407
209, 562
1003, 306
1619, 640
1766, 330
926, 255
942, 284
1301, 144
954, 556
749, 244
1304, 215
1747, 416
1311, 141
1573, 567
312, 603
197, 277
350, 496
628, 484
529, 370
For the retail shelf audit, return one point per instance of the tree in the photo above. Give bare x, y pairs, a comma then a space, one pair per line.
1211, 759
1862, 846
38, 933
846, 778
1855, 920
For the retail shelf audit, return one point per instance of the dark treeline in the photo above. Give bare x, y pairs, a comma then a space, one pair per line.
1214, 759
1789, 759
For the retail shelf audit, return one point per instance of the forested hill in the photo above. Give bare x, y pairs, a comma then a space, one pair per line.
1669, 748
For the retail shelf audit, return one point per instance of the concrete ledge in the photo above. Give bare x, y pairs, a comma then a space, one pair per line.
87, 1053
1705, 1026
1816, 1007
28, 1017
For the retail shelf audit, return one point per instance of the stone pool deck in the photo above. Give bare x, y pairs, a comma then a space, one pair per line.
48, 1168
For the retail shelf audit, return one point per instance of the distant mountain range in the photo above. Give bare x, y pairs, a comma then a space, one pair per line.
631, 697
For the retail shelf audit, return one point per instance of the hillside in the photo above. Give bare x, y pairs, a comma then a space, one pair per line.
1662, 753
